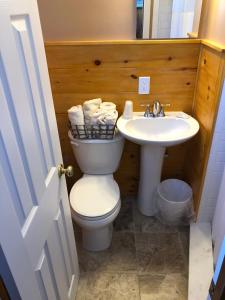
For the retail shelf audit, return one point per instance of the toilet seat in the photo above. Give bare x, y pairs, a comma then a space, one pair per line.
100, 218
95, 197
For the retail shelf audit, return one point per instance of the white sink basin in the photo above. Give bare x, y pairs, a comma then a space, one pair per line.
154, 135
170, 130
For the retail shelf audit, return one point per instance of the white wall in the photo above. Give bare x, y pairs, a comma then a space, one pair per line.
213, 21
88, 19
218, 226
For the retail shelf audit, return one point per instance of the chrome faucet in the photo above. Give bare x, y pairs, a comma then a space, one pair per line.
157, 110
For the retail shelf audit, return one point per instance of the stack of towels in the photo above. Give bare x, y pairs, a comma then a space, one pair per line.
93, 112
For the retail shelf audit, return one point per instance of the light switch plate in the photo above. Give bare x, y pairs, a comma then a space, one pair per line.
144, 85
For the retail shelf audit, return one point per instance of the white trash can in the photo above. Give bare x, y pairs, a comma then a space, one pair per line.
174, 200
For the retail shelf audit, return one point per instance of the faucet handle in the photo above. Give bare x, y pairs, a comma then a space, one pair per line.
162, 112
147, 112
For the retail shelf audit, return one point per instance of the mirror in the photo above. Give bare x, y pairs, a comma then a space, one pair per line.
165, 19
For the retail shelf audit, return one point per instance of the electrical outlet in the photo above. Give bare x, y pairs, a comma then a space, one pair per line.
144, 85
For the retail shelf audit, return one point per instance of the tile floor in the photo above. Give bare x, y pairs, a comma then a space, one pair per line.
146, 261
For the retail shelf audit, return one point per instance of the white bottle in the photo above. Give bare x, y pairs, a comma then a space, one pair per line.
128, 110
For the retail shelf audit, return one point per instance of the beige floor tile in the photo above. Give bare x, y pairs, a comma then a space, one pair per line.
120, 257
159, 253
108, 286
163, 287
144, 254
147, 224
124, 221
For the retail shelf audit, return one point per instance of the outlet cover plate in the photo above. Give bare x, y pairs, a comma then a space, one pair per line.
144, 85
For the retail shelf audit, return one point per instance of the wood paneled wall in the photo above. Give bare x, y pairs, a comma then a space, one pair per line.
110, 70
207, 96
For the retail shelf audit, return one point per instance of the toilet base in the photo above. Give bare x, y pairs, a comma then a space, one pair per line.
97, 239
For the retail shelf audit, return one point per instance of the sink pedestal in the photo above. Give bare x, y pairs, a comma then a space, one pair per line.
150, 175
154, 135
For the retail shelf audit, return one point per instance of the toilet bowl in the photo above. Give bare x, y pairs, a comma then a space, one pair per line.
95, 202
95, 198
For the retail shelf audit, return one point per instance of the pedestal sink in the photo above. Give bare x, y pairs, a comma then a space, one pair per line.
154, 135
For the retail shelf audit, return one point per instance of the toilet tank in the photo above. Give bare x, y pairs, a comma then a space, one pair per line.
98, 156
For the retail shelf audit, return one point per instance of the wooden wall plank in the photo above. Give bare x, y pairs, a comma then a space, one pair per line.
63, 101
110, 71
207, 97
122, 80
106, 56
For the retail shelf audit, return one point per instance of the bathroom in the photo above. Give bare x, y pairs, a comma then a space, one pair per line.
96, 49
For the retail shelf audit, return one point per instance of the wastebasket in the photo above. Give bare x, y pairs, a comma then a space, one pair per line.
174, 200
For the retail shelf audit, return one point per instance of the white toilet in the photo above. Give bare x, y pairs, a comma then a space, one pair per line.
95, 198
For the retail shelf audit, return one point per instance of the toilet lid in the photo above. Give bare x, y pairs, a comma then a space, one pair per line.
94, 195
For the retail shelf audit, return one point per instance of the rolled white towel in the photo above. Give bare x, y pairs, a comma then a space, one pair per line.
108, 106
76, 115
100, 112
92, 105
89, 108
108, 118
91, 118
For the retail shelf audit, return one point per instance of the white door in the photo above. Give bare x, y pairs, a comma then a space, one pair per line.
36, 232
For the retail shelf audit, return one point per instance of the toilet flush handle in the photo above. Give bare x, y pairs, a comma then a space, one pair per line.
68, 171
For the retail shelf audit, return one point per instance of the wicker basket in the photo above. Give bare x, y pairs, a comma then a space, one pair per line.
96, 132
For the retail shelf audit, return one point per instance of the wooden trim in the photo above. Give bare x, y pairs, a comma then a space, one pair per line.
211, 44
192, 35
196, 80
122, 42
